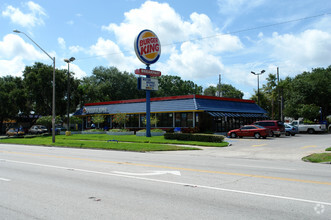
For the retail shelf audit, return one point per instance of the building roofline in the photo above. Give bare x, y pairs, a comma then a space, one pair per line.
223, 99
170, 98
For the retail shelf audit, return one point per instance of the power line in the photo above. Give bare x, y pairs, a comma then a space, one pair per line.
217, 35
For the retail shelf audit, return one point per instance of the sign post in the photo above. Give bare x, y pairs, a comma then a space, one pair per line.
148, 50
148, 109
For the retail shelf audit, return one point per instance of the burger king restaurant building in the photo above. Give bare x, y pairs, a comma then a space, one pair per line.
208, 113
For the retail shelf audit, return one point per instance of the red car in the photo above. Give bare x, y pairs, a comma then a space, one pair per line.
249, 131
276, 127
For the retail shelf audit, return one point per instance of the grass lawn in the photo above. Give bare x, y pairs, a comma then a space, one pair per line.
125, 142
318, 158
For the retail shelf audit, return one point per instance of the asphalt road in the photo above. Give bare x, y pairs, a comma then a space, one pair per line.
248, 180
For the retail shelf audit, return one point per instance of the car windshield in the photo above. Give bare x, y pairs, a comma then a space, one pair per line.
259, 126
280, 123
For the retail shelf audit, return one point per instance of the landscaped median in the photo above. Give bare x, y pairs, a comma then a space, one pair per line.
114, 142
319, 157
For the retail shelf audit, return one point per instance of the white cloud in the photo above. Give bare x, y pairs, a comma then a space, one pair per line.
233, 7
15, 53
193, 63
13, 45
113, 54
32, 18
76, 49
310, 48
79, 73
191, 59
61, 42
13, 67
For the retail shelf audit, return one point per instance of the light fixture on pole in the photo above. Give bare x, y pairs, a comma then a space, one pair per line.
53, 98
68, 92
258, 86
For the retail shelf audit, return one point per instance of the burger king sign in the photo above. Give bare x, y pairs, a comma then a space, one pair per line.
147, 47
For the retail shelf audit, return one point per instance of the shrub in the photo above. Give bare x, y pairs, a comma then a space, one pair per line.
94, 130
190, 130
152, 130
119, 130
169, 130
153, 120
194, 137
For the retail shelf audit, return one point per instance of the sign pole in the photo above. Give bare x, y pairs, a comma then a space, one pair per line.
148, 108
148, 50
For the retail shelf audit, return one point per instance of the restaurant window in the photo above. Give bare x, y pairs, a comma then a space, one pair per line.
142, 120
184, 119
133, 120
164, 120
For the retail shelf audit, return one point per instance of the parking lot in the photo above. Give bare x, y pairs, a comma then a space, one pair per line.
291, 148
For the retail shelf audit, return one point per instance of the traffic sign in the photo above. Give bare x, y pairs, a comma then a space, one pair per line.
147, 72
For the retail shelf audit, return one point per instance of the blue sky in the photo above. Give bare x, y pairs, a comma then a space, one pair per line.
200, 39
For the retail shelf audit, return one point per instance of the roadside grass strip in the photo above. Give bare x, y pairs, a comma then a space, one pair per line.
318, 158
125, 142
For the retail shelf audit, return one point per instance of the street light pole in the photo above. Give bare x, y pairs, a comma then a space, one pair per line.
258, 84
68, 92
53, 98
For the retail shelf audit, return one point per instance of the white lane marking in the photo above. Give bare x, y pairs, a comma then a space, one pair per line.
153, 173
4, 179
177, 183
274, 168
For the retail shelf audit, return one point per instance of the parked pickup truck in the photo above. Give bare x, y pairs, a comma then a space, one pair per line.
309, 128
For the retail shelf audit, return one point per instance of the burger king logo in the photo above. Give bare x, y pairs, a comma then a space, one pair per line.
147, 47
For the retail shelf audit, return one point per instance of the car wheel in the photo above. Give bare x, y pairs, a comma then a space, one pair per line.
277, 135
311, 131
233, 135
240, 136
257, 135
287, 133
264, 137
271, 134
293, 134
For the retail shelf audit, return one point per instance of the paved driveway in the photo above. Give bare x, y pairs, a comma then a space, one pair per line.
282, 148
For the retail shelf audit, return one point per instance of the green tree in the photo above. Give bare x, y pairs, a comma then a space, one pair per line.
174, 85
121, 119
47, 121
229, 91
38, 82
308, 88
271, 92
12, 98
304, 94
109, 84
75, 120
153, 121
210, 91
226, 90
98, 119
309, 112
264, 101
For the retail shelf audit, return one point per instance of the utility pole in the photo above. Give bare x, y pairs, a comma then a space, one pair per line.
258, 84
282, 106
220, 85
278, 98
